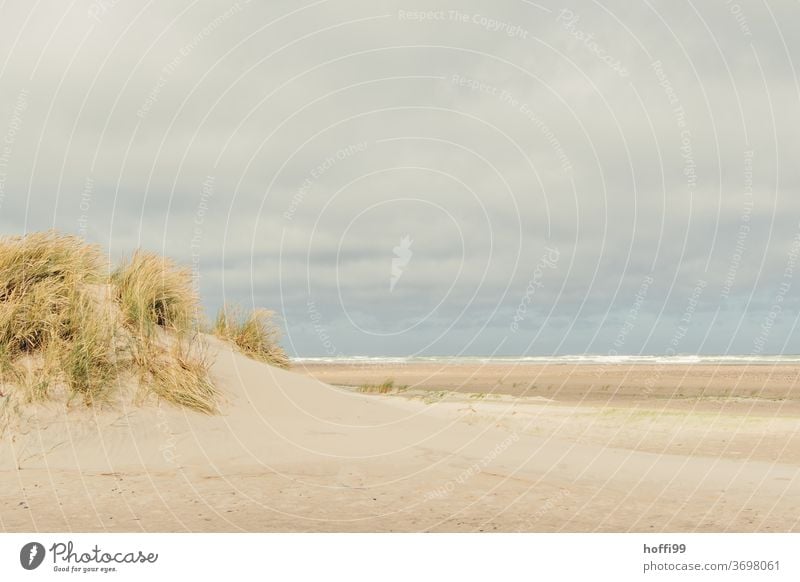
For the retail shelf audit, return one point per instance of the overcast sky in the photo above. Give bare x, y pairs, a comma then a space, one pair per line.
465, 177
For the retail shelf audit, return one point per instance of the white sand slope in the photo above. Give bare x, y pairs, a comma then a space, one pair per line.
289, 453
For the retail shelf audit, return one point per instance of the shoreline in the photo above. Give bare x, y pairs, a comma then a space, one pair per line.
581, 382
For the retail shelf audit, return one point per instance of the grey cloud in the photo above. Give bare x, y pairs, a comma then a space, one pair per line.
489, 135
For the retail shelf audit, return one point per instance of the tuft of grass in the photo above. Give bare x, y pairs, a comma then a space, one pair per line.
34, 376
181, 377
33, 318
45, 314
41, 276
48, 256
153, 292
387, 387
254, 334
88, 360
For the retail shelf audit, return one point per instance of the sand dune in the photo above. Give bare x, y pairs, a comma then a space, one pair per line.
290, 453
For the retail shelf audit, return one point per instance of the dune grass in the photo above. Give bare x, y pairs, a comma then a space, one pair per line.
160, 311
153, 292
42, 277
67, 325
254, 334
89, 357
181, 376
47, 256
49, 330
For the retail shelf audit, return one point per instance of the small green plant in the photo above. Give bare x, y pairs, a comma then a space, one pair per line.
435, 396
387, 387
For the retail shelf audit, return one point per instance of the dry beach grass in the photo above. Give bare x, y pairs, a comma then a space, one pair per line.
253, 333
70, 329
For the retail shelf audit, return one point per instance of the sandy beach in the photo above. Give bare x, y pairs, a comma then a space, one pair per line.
464, 448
